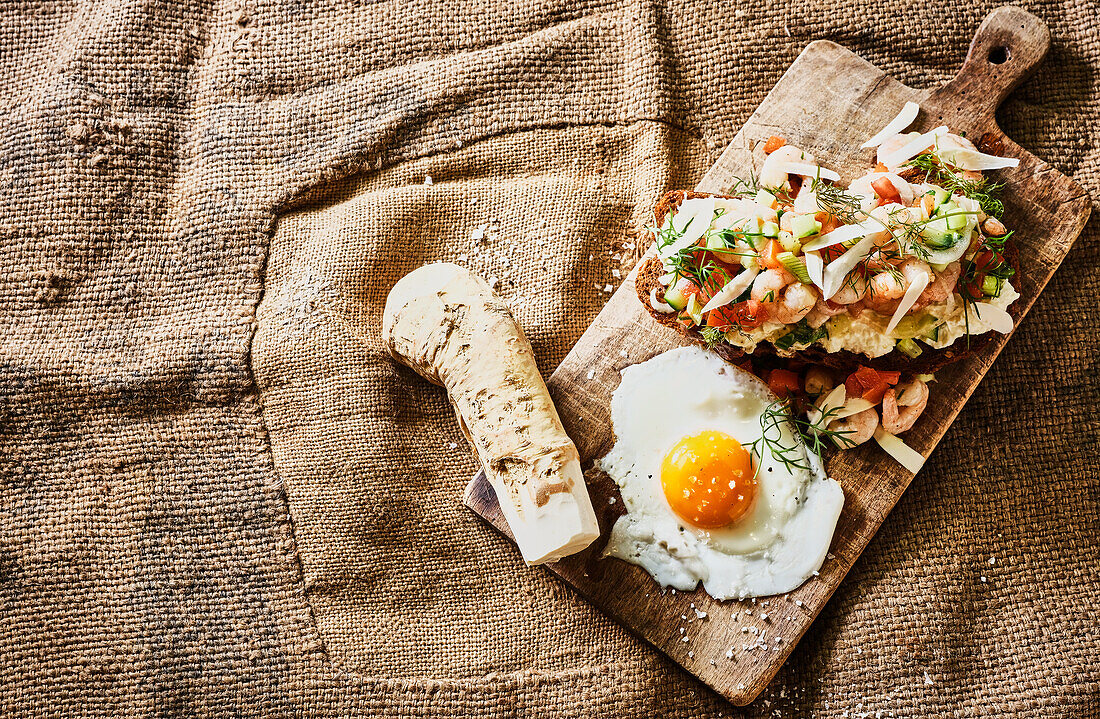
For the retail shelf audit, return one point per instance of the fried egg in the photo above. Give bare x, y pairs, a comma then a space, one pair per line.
706, 500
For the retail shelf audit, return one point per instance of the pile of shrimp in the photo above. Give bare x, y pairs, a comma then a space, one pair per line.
897, 401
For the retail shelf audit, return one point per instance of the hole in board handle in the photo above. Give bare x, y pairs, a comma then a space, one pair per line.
1000, 55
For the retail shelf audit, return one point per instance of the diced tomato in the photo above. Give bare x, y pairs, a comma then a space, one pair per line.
870, 384
831, 253
746, 315
783, 382
881, 168
886, 191
829, 222
690, 288
769, 256
774, 143
988, 260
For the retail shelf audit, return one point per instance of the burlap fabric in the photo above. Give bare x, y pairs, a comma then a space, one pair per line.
219, 497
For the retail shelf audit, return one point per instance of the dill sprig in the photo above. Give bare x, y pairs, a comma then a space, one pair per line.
712, 335
983, 191
816, 436
837, 202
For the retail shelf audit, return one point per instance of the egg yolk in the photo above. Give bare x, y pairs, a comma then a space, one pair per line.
708, 479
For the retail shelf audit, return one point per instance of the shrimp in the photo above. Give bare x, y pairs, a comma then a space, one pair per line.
942, 287
892, 285
797, 301
769, 284
819, 381
993, 227
855, 429
903, 405
853, 290
822, 311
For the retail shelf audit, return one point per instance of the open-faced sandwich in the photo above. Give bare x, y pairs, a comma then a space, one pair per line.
905, 269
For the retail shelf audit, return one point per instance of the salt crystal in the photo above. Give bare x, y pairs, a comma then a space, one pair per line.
616, 274
608, 289
927, 679
427, 179
611, 500
591, 373
984, 579
683, 638
453, 445
478, 234
992, 560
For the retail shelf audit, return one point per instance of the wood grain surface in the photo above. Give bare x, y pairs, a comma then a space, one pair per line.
829, 102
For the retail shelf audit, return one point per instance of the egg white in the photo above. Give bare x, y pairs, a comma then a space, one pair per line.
786, 535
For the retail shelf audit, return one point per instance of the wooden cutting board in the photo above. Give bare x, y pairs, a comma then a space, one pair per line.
829, 102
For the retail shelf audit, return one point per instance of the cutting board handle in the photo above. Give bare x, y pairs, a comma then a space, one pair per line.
1008, 46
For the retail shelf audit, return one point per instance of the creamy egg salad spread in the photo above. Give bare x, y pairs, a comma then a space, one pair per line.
909, 256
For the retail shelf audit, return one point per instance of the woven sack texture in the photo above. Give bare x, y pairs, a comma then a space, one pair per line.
218, 497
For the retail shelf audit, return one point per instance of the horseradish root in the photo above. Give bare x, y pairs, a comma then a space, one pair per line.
447, 324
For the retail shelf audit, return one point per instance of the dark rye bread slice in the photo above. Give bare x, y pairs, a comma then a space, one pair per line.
930, 360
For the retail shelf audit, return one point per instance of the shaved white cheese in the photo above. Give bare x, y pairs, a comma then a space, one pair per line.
966, 159
657, 304
806, 169
666, 278
907, 301
838, 269
690, 221
912, 148
773, 172
993, 317
853, 406
844, 233
833, 400
731, 290
904, 119
906, 456
815, 267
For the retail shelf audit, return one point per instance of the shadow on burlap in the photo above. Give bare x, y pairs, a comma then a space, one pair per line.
219, 497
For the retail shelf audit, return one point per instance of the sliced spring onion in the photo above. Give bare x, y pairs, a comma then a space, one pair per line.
838, 269
731, 290
657, 304
795, 265
904, 119
908, 300
993, 317
906, 456
912, 148
909, 348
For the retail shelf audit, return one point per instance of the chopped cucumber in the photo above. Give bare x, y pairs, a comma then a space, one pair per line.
750, 261
991, 286
804, 226
674, 295
909, 348
915, 325
957, 220
788, 242
765, 198
795, 265
942, 197
770, 229
716, 242
926, 378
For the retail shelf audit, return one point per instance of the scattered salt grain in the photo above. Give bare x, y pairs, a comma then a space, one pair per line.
798, 602
453, 445
591, 373
992, 560
984, 579
691, 654
683, 638
616, 274
479, 233
608, 289
927, 679
611, 500
427, 179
